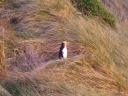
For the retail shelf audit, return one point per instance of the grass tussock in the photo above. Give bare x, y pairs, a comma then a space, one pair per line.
95, 8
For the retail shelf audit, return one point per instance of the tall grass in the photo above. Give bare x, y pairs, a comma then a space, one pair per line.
2, 57
4, 92
1, 1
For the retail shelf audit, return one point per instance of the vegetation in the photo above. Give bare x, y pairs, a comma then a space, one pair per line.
95, 8
10, 45
13, 89
24, 35
2, 57
1, 1
97, 53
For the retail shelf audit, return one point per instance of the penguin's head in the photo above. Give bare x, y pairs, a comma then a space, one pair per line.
65, 43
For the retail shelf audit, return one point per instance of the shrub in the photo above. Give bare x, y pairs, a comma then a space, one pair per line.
95, 8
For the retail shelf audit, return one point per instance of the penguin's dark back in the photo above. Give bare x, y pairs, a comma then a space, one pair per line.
60, 51
62, 46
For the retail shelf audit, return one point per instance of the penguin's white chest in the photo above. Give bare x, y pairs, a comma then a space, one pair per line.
64, 52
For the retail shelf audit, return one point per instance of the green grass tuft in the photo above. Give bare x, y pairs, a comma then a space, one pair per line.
95, 8
13, 89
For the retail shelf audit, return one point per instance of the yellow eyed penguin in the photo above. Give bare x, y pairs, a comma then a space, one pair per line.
63, 50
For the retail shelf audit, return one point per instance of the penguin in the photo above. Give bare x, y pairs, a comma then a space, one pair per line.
63, 50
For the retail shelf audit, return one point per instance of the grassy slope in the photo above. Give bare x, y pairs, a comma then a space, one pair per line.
98, 68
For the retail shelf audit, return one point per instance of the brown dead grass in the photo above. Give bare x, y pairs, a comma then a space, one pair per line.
2, 61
